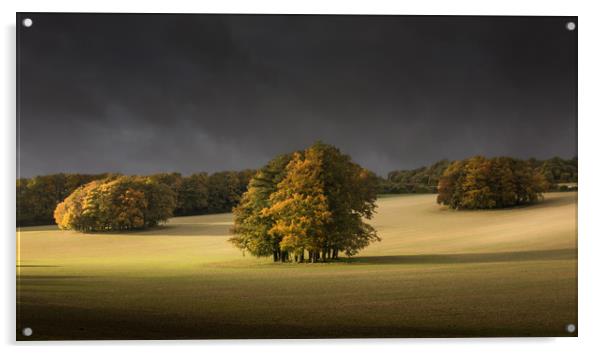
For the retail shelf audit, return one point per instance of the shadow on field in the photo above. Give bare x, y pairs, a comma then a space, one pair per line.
98, 323
173, 229
196, 229
545, 255
36, 278
41, 282
559, 199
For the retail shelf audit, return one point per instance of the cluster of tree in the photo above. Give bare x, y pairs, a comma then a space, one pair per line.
420, 180
557, 172
481, 183
115, 204
203, 193
38, 197
307, 206
200, 193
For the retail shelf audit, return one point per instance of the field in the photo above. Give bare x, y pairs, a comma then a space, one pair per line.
436, 273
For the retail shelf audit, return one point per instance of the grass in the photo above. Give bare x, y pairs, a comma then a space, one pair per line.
436, 273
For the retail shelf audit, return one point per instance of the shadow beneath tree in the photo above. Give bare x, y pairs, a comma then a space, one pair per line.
520, 256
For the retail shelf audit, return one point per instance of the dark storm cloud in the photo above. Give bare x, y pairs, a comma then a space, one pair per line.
149, 93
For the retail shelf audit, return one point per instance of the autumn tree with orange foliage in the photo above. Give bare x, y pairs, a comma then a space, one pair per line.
481, 183
300, 208
311, 202
116, 204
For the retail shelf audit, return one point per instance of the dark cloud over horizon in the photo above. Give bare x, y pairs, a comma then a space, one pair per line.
187, 93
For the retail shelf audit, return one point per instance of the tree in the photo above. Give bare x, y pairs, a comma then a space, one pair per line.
160, 201
420, 180
477, 186
450, 185
481, 183
70, 213
351, 194
314, 200
226, 189
557, 170
173, 180
505, 188
426, 179
300, 209
193, 196
37, 197
251, 226
120, 203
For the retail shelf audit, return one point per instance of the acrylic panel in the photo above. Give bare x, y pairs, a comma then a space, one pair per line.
228, 176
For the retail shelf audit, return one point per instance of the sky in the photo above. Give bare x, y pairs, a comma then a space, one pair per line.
140, 94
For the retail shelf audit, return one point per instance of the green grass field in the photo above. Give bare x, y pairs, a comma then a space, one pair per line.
436, 273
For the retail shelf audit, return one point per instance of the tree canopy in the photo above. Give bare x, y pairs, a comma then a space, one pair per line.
481, 183
314, 200
426, 179
37, 197
420, 180
557, 170
114, 204
199, 193
219, 192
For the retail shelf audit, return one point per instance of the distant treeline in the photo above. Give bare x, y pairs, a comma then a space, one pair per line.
426, 179
219, 192
200, 193
419, 180
557, 170
37, 197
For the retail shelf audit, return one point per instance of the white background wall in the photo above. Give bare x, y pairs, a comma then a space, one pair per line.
590, 209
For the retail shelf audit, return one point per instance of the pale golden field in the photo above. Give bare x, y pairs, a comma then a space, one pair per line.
436, 273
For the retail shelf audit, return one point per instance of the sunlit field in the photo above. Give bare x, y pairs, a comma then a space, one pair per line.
436, 273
